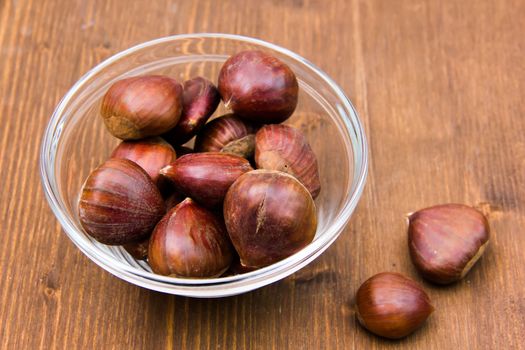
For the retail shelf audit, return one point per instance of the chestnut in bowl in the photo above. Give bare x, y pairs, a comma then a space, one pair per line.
258, 87
119, 203
284, 148
152, 154
142, 106
200, 99
190, 241
205, 176
69, 153
269, 216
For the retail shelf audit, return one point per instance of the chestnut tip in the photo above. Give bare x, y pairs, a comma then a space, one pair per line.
165, 170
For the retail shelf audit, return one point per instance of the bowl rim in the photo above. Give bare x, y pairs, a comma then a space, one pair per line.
212, 287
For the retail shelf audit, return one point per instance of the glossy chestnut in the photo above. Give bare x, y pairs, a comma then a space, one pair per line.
119, 203
269, 216
200, 99
152, 154
391, 305
258, 87
138, 107
445, 241
190, 241
284, 148
206, 176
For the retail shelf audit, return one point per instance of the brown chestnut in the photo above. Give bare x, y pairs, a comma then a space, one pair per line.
229, 134
269, 216
258, 87
206, 176
284, 148
200, 99
138, 107
152, 154
445, 241
138, 250
391, 305
119, 203
190, 241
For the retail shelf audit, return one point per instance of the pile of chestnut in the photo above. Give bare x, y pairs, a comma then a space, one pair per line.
241, 199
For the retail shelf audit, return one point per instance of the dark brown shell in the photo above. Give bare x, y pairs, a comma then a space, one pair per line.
391, 305
119, 203
190, 241
269, 216
258, 87
206, 177
446, 240
138, 107
200, 99
284, 148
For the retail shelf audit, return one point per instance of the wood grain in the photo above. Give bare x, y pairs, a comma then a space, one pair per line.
440, 86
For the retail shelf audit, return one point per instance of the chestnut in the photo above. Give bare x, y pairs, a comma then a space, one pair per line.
152, 154
206, 176
229, 134
200, 99
391, 305
446, 240
190, 241
269, 216
284, 148
258, 87
138, 107
119, 203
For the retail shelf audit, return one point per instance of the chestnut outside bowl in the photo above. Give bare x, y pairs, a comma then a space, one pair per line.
76, 141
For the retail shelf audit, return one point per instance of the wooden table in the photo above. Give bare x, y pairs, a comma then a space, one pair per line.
440, 87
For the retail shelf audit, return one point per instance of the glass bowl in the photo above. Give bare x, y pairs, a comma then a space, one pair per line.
76, 141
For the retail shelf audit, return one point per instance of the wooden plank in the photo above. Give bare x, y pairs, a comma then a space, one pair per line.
440, 86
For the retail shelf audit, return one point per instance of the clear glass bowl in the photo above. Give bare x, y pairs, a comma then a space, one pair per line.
76, 141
